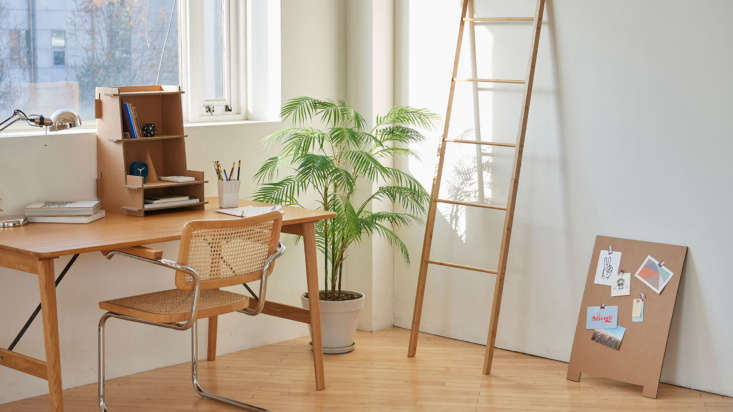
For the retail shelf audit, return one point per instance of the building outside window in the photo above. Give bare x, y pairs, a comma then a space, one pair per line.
54, 53
58, 47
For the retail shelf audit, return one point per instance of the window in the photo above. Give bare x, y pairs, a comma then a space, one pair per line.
53, 54
214, 67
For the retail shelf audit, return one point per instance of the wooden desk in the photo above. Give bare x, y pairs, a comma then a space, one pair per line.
32, 249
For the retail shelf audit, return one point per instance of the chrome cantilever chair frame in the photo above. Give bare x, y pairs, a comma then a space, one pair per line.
189, 324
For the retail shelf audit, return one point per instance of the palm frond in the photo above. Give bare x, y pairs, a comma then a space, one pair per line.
413, 200
404, 115
300, 109
365, 164
283, 192
340, 114
268, 170
395, 133
402, 178
300, 141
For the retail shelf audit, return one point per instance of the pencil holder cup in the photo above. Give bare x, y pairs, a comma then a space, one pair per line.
228, 193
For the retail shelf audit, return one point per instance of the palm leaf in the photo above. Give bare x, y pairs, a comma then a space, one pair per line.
300, 109
268, 170
365, 164
404, 115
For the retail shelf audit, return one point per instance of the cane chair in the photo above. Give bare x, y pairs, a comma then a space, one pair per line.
212, 254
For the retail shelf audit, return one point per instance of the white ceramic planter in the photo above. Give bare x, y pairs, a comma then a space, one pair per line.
338, 323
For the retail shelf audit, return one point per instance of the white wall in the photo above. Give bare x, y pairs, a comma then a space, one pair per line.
629, 136
63, 167
370, 89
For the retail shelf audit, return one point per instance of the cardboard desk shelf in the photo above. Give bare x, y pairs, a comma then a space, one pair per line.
164, 153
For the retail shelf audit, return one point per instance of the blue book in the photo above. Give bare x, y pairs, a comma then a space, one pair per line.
130, 122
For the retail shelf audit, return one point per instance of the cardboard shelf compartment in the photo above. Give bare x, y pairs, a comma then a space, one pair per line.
148, 139
164, 184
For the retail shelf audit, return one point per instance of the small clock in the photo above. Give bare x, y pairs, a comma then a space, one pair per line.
148, 129
139, 169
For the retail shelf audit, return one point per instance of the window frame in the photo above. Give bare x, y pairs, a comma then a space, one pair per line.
191, 61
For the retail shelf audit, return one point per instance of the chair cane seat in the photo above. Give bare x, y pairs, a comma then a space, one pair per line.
174, 305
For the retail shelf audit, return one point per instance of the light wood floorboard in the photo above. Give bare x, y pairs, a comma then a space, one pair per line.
445, 376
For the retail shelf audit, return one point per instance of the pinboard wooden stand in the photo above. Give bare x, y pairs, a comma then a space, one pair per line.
641, 354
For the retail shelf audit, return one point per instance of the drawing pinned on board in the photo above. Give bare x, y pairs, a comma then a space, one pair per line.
601, 317
654, 274
608, 265
609, 337
621, 284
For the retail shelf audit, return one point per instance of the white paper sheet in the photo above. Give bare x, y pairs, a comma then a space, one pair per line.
621, 284
608, 265
249, 211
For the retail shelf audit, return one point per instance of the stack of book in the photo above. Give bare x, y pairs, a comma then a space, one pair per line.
64, 212
152, 203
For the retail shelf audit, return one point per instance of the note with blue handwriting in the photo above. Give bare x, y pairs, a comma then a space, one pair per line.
601, 317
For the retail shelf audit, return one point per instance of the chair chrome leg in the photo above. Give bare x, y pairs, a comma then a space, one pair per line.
100, 362
194, 375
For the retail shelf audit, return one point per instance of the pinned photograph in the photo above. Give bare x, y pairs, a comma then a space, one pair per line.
609, 337
608, 265
654, 274
621, 284
601, 317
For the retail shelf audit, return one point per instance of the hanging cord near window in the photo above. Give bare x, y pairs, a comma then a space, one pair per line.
165, 41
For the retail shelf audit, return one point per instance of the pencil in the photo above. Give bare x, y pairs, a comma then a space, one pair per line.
239, 168
221, 172
216, 169
231, 172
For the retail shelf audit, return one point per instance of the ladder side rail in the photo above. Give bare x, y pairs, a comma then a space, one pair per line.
509, 217
476, 109
430, 222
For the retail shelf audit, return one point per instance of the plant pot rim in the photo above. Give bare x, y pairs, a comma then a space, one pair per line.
361, 296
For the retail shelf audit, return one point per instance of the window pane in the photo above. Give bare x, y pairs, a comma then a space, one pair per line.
54, 53
213, 52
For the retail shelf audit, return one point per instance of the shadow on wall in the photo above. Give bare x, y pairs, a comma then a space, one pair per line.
685, 310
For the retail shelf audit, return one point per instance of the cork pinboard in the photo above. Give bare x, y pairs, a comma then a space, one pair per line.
641, 354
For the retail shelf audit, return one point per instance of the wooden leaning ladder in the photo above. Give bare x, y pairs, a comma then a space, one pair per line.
467, 15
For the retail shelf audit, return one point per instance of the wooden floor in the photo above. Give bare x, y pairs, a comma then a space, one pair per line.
445, 376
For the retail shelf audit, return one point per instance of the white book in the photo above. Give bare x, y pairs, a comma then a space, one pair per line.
165, 199
250, 211
63, 208
177, 179
151, 206
67, 219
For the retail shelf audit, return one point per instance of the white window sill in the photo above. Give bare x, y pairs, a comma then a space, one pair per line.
230, 123
40, 132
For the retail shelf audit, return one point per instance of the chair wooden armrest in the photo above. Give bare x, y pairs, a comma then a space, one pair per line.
140, 251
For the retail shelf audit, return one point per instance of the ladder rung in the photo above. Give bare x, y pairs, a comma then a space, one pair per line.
471, 79
453, 265
500, 19
455, 202
481, 142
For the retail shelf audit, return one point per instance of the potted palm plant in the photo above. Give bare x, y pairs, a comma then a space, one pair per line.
328, 162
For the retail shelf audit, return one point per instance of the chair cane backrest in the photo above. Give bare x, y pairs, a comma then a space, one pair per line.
228, 252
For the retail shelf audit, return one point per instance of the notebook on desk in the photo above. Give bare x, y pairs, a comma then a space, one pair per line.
250, 211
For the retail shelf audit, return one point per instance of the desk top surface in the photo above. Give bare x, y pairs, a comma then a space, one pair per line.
49, 240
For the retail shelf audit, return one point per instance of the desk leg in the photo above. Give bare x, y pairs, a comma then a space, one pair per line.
51, 333
211, 350
311, 270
